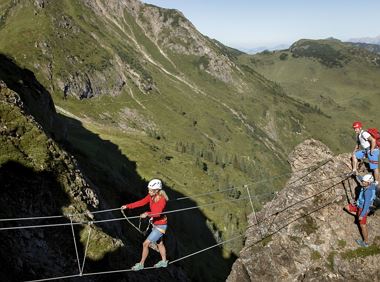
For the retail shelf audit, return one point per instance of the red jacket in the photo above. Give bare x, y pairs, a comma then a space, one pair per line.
156, 208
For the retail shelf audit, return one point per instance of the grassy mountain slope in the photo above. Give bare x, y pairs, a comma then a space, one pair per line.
139, 81
334, 77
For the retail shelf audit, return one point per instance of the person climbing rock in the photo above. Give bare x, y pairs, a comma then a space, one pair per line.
156, 199
361, 208
365, 147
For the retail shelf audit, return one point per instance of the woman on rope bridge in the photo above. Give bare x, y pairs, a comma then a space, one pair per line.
156, 199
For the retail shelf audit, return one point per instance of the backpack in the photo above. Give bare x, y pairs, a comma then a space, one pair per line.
376, 202
375, 134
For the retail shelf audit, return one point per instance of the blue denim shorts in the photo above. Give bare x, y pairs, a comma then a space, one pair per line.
155, 234
373, 159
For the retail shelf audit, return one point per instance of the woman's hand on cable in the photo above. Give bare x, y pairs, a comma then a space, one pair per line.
124, 207
144, 215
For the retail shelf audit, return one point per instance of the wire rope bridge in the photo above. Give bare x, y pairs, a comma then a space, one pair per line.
90, 223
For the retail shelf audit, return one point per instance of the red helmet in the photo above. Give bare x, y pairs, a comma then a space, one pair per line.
357, 124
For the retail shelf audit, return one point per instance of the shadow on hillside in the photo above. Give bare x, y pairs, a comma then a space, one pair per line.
31, 91
27, 193
116, 181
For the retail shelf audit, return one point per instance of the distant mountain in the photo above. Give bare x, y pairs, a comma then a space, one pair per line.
369, 40
338, 78
370, 47
263, 48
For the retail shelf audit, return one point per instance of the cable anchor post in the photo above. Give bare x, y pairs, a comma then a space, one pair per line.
90, 223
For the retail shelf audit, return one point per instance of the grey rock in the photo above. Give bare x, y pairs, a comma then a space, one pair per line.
304, 234
39, 3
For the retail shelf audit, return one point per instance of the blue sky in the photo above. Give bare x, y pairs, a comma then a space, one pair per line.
249, 23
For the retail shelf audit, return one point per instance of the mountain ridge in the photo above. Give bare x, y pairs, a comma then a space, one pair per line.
368, 40
341, 82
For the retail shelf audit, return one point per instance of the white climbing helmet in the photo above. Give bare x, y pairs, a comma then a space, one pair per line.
368, 178
155, 184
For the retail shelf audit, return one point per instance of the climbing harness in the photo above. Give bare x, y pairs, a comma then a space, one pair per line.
152, 245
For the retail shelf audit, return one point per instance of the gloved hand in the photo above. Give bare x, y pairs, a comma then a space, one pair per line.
124, 207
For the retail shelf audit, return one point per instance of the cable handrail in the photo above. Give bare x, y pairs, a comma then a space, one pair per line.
119, 218
177, 199
202, 250
145, 268
165, 212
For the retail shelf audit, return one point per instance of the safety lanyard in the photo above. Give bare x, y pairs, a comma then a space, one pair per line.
139, 227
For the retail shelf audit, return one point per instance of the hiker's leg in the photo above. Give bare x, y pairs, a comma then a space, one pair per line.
354, 161
356, 156
376, 174
162, 249
373, 160
145, 251
364, 229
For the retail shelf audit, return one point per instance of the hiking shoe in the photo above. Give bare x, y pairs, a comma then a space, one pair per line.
138, 266
361, 243
354, 172
161, 263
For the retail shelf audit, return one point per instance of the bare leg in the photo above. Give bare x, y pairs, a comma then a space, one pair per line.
364, 229
354, 162
145, 251
162, 249
376, 174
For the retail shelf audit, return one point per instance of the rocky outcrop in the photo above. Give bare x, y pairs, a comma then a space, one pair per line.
38, 178
172, 32
52, 158
40, 4
304, 234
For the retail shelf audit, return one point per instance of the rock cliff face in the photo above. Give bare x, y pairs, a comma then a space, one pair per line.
37, 178
304, 234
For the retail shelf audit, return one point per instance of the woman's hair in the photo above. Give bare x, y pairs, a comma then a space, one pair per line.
162, 193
